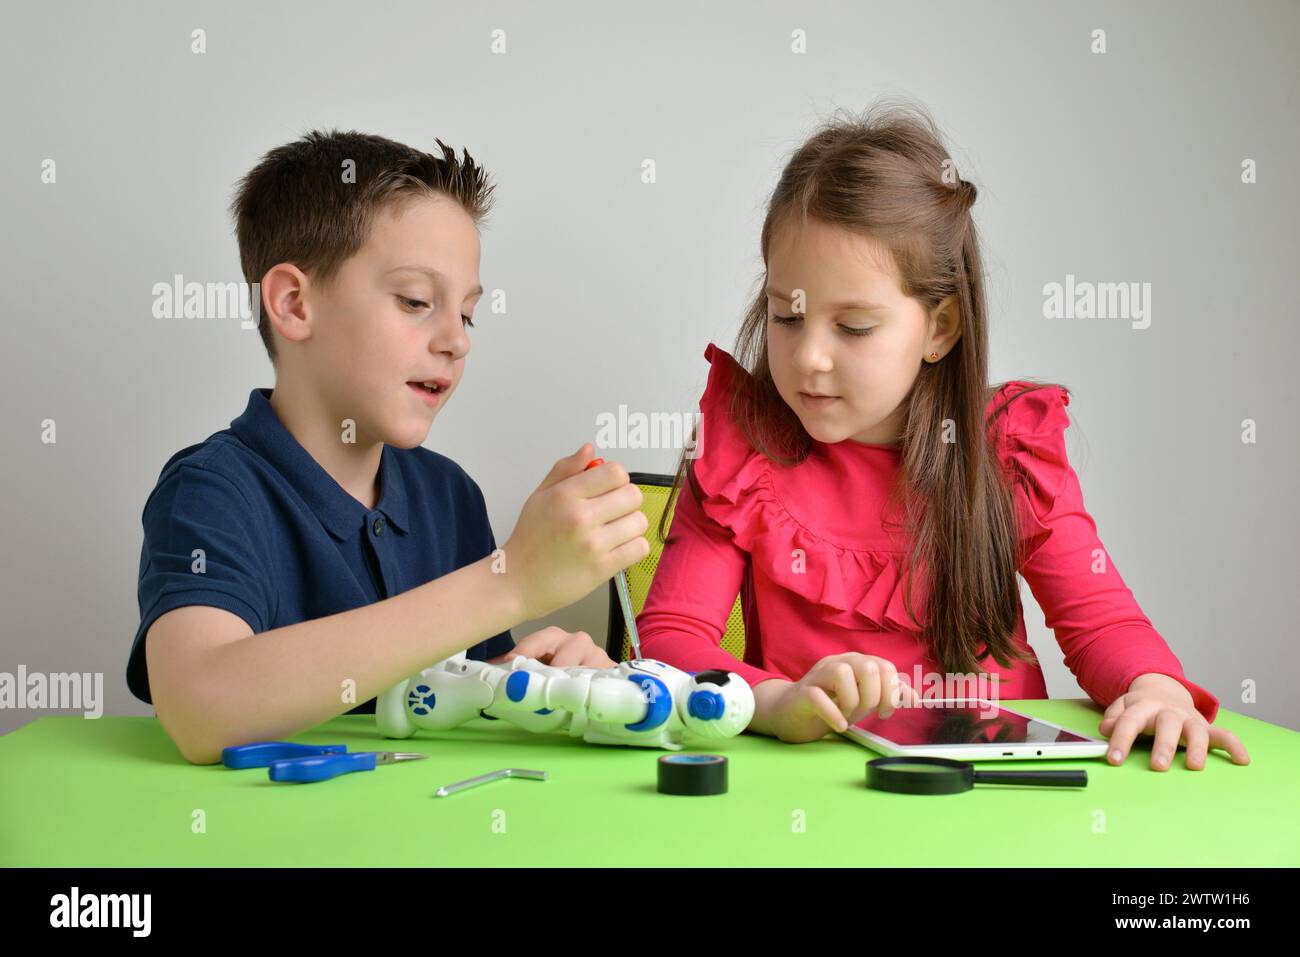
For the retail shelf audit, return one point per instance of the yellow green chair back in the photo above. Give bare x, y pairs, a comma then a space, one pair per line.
654, 492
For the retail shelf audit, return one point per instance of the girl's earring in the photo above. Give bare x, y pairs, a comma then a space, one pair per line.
933, 356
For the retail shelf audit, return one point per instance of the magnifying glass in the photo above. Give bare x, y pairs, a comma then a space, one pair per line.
916, 775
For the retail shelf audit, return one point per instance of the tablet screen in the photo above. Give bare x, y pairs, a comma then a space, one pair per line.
958, 723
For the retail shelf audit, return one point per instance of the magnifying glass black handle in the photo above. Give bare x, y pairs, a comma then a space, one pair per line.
1047, 779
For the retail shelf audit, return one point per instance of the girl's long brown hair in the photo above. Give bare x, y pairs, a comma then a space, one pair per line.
887, 176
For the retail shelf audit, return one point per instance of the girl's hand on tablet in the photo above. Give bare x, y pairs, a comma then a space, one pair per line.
578, 529
1158, 704
838, 691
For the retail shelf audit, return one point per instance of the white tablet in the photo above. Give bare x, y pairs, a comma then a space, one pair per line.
971, 729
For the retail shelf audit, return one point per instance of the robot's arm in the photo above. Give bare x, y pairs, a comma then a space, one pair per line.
644, 702
535, 687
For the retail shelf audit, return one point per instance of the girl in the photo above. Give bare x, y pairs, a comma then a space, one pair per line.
866, 494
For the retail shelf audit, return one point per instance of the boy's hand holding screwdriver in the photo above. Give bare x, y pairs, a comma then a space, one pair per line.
577, 530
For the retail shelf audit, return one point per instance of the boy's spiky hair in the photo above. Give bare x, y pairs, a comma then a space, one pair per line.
312, 202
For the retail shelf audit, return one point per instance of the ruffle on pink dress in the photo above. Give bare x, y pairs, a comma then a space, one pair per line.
819, 573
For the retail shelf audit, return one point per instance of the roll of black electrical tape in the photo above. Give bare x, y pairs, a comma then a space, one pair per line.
692, 774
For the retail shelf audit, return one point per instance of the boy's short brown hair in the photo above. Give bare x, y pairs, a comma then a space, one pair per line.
311, 202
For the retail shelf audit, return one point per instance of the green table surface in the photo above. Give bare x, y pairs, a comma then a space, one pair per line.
115, 792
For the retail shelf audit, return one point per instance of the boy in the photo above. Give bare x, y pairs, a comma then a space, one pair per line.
314, 554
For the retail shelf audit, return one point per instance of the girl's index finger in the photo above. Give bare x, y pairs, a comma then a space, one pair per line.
909, 696
825, 709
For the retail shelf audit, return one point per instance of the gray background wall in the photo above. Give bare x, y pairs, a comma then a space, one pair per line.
1122, 167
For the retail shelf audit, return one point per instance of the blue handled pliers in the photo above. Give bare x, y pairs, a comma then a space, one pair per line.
308, 762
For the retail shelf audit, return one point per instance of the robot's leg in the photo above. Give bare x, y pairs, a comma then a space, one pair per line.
390, 712
441, 697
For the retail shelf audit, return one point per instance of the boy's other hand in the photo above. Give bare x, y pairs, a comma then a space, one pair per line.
558, 648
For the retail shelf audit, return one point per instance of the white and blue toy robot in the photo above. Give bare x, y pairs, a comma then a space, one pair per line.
643, 703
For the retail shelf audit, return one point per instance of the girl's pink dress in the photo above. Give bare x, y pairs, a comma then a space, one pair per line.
819, 575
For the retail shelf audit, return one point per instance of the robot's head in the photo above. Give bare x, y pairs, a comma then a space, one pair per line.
718, 704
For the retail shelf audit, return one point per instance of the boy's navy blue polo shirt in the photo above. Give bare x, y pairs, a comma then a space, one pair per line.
283, 542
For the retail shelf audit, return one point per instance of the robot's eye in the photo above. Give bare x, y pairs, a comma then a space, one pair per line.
715, 677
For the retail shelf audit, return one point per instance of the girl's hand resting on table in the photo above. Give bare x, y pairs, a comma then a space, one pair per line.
577, 530
1158, 704
838, 691
558, 648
